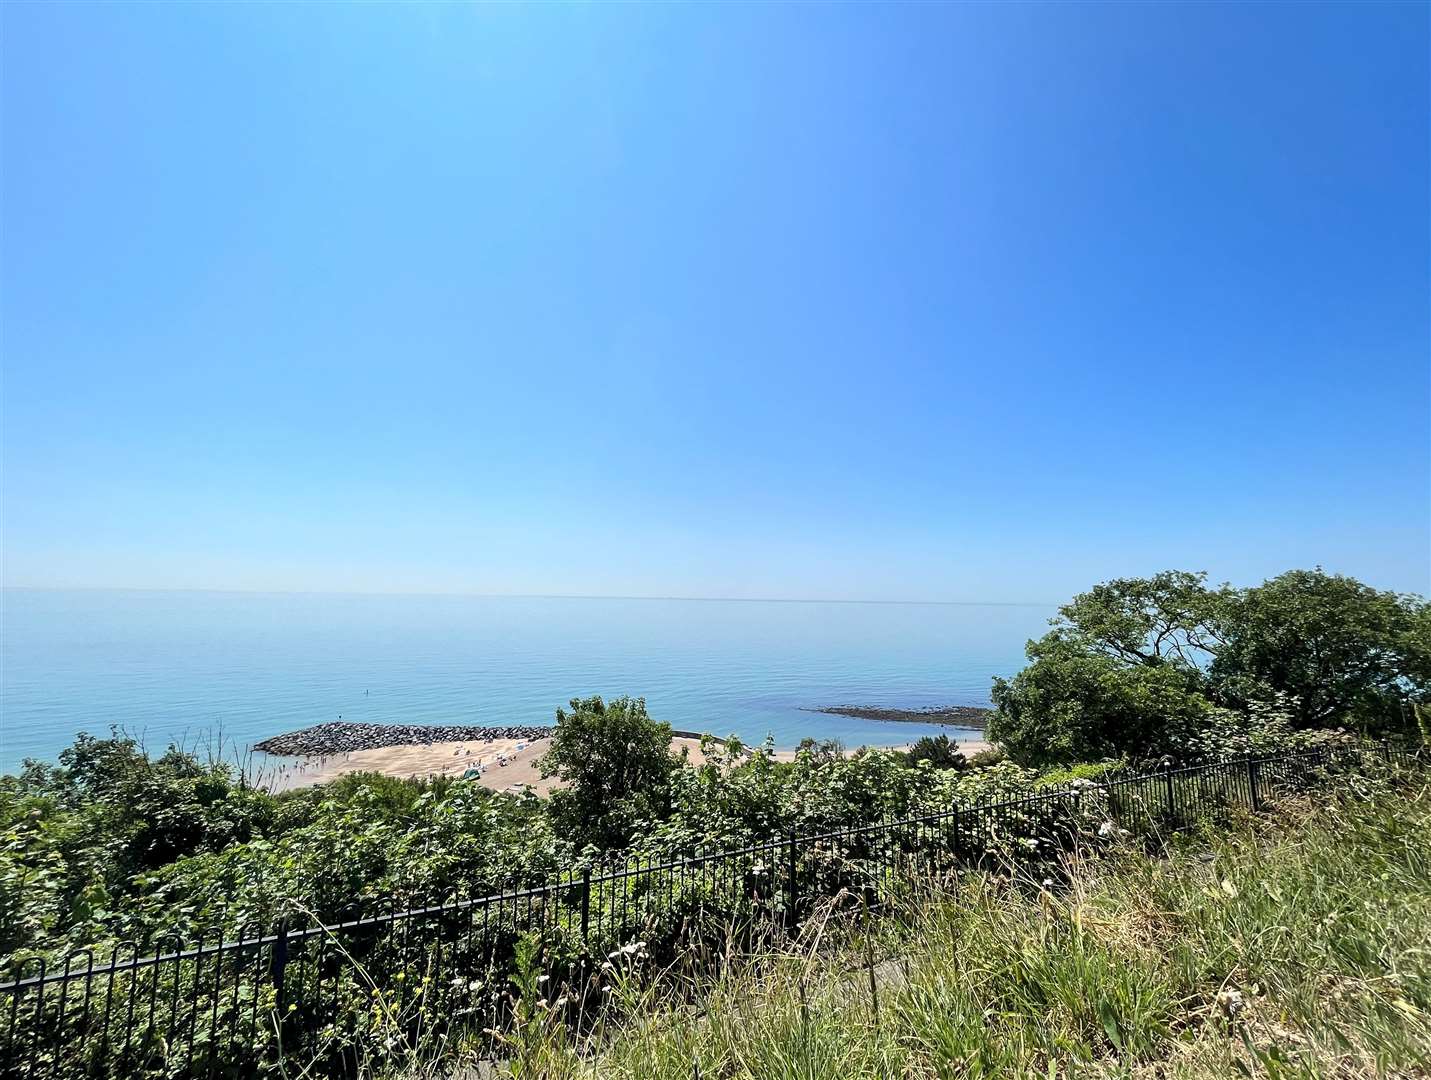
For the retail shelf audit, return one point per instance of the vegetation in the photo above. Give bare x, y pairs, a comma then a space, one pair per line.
616, 764
939, 751
1339, 651
1142, 667
1293, 952
113, 845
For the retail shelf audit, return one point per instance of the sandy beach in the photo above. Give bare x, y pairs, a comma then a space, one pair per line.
456, 758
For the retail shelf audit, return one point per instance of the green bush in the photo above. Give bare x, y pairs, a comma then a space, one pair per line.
939, 751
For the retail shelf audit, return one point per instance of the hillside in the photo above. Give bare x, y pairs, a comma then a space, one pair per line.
1286, 948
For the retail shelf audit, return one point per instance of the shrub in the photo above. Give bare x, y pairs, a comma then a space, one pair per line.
989, 756
939, 751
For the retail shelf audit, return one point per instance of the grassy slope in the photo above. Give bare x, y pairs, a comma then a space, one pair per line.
1298, 948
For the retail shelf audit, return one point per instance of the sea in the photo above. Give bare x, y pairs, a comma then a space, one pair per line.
215, 672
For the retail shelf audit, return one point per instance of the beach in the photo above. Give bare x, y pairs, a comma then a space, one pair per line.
456, 758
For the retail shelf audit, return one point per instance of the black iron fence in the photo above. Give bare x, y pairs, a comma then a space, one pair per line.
337, 997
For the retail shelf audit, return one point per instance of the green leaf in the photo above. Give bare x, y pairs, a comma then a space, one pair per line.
1109, 1016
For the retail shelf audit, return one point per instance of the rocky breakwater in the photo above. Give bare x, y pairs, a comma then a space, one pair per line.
338, 737
965, 716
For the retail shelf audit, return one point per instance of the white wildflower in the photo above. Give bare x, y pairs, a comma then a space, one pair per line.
1231, 1003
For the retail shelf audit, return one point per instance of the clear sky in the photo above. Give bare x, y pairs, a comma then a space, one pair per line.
922, 302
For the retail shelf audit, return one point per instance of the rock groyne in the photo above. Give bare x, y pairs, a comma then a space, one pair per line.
340, 737
965, 716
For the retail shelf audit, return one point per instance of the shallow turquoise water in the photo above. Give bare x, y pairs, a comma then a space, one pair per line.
176, 666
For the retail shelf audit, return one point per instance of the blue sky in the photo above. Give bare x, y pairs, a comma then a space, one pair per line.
920, 302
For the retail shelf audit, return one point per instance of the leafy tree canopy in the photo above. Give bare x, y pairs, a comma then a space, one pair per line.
1134, 666
1169, 618
1077, 703
616, 764
1339, 652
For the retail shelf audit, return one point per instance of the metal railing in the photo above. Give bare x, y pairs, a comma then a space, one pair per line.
338, 995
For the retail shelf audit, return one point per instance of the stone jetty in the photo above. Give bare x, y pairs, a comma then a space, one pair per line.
340, 737
974, 717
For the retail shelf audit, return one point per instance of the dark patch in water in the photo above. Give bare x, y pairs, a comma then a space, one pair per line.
965, 716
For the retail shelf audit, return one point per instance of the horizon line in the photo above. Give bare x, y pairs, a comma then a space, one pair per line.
534, 596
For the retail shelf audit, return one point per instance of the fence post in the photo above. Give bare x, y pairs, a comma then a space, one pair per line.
585, 908
1168, 785
585, 932
793, 913
278, 960
1254, 796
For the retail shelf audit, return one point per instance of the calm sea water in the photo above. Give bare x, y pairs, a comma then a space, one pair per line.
173, 666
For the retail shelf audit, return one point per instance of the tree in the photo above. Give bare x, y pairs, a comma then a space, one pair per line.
1074, 702
1123, 672
1132, 666
1338, 651
615, 762
1170, 618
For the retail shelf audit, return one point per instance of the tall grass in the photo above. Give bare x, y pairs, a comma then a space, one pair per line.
1296, 947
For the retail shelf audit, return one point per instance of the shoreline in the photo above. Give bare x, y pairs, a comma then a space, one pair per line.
339, 737
499, 764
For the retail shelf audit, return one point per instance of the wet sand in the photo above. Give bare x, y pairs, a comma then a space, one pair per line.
455, 758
